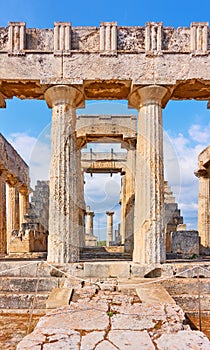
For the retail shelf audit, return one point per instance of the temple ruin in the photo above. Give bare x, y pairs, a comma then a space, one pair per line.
65, 65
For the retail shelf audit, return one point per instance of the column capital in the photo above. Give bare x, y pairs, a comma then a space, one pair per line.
152, 94
110, 213
202, 172
64, 94
91, 213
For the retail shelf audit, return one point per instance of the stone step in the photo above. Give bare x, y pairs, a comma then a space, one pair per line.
28, 284
103, 255
23, 300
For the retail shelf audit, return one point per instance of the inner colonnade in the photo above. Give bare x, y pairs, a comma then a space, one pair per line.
65, 176
14, 193
147, 66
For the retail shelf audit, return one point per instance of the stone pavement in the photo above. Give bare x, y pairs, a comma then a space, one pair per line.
101, 317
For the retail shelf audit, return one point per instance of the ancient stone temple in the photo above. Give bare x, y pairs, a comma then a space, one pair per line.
66, 65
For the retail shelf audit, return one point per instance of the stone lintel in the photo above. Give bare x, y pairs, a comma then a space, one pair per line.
63, 94
2, 101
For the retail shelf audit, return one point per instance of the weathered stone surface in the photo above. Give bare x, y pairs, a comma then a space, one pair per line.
107, 269
90, 339
110, 320
153, 294
183, 340
185, 243
131, 339
58, 297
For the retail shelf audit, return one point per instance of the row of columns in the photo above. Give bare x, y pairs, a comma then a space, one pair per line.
64, 240
16, 205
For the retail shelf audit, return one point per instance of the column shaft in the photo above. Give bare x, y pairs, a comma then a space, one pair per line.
3, 225
64, 240
24, 202
149, 237
13, 222
123, 208
204, 211
130, 192
109, 237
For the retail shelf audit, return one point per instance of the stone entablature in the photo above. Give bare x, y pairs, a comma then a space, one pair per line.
109, 62
16, 169
108, 38
106, 128
102, 162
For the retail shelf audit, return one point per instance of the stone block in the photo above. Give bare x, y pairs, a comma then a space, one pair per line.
185, 242
154, 294
107, 269
59, 297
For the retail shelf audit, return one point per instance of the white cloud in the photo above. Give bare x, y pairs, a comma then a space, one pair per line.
23, 144
200, 135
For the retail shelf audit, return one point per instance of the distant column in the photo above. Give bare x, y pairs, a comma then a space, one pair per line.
109, 237
89, 224
3, 223
24, 203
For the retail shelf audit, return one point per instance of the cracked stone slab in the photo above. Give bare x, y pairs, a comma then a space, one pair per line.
183, 340
137, 316
91, 339
105, 345
128, 340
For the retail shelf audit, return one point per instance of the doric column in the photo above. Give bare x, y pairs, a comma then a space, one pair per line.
3, 222
64, 240
204, 207
89, 223
24, 202
149, 236
13, 222
123, 208
81, 202
109, 237
130, 191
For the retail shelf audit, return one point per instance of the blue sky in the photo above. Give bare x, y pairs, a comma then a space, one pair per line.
187, 123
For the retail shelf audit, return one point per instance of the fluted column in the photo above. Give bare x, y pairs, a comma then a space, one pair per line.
13, 218
123, 208
64, 240
130, 192
3, 222
81, 200
204, 207
109, 237
149, 236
